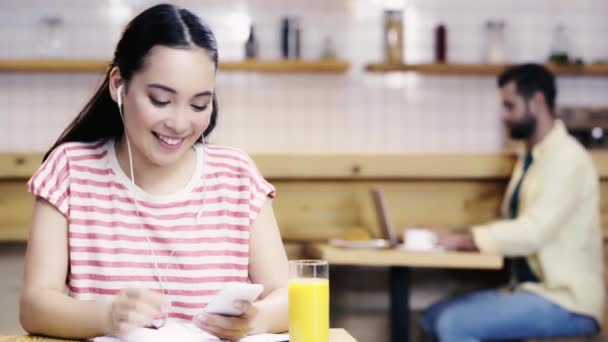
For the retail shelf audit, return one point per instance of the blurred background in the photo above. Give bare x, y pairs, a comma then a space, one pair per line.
353, 110
438, 96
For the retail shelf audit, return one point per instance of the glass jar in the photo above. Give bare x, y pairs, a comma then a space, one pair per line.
393, 36
559, 46
495, 50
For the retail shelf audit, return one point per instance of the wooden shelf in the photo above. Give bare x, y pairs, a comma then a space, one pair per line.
53, 65
484, 69
98, 66
280, 66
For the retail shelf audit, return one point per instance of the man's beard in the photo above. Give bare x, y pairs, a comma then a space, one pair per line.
522, 129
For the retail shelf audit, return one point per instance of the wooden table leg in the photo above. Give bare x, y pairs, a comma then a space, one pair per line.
400, 304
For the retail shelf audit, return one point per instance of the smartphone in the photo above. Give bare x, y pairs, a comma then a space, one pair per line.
223, 302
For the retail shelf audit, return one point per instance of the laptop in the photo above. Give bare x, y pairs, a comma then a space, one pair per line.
388, 235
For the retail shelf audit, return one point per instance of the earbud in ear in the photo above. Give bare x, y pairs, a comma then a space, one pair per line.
119, 96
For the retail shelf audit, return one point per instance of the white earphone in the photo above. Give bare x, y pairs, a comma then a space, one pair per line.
119, 98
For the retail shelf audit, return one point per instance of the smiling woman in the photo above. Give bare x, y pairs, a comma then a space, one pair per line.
168, 103
137, 215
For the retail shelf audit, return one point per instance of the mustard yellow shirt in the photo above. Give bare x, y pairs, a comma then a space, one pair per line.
558, 227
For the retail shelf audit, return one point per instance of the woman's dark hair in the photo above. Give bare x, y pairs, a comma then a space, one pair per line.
530, 78
161, 25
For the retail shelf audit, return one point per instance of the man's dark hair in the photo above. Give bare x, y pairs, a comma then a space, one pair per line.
530, 78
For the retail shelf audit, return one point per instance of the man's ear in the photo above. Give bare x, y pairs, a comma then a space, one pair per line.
538, 101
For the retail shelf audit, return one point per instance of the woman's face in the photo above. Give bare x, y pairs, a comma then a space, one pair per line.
167, 104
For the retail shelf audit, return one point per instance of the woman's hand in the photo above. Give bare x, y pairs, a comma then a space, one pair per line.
134, 308
227, 327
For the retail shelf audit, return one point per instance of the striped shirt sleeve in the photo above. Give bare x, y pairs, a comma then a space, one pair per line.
52, 182
260, 189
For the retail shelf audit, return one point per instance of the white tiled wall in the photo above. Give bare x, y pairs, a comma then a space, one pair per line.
356, 111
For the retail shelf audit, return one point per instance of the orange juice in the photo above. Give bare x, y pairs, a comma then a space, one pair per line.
309, 310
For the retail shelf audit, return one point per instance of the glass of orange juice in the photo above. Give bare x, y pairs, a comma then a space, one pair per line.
308, 301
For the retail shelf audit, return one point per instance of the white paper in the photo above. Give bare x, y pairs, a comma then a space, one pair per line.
183, 332
266, 338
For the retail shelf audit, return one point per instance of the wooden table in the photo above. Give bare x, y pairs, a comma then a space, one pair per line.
399, 262
335, 335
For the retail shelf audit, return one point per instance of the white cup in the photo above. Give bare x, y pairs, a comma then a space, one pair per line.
419, 239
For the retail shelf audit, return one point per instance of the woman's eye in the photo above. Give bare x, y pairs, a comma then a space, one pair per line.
199, 108
158, 103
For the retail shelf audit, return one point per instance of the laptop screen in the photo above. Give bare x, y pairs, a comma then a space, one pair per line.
383, 215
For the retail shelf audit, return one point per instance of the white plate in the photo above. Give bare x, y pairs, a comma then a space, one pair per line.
421, 249
360, 244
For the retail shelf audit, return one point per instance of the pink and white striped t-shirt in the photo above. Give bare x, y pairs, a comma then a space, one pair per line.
108, 249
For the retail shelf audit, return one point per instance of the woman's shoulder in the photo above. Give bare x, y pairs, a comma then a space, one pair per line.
232, 163
53, 178
231, 155
78, 149
232, 160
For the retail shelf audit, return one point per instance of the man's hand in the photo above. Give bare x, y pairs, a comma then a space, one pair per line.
452, 241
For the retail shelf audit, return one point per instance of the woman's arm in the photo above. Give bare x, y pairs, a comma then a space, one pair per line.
45, 308
268, 266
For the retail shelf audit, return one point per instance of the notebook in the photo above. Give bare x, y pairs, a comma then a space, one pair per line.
183, 332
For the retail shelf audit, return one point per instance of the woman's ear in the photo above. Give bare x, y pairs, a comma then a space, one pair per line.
115, 82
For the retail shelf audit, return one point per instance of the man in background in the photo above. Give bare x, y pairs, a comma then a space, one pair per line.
551, 234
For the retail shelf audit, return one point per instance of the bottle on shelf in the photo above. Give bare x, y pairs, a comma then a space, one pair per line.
328, 51
251, 45
441, 36
290, 38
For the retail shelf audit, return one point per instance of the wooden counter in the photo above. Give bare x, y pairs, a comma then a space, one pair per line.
338, 166
350, 166
327, 195
320, 196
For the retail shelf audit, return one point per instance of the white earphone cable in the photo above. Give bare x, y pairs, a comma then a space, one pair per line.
136, 204
197, 218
